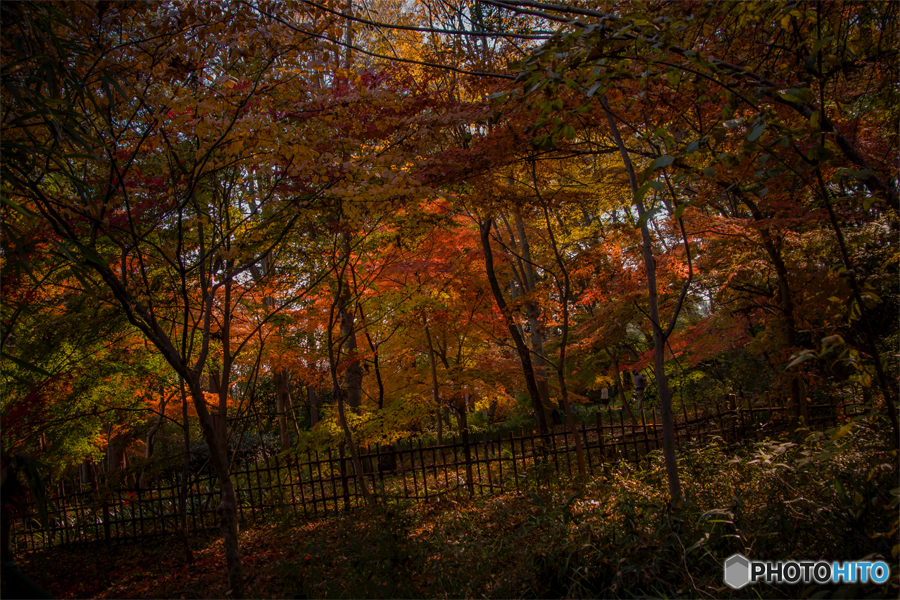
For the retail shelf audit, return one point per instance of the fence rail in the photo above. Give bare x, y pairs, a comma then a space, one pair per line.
316, 484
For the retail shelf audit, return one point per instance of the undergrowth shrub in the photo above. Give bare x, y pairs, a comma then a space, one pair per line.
830, 496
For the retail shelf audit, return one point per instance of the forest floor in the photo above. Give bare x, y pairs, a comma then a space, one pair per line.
831, 496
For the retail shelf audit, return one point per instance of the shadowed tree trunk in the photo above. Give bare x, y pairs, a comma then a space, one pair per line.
312, 399
659, 335
614, 355
564, 291
540, 411
339, 306
434, 384
525, 276
151, 438
798, 403
353, 375
283, 404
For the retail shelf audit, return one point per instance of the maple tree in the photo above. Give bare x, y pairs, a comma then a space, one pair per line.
340, 223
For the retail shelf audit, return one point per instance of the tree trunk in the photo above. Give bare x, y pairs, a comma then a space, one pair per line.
353, 374
313, 401
354, 452
625, 406
282, 404
339, 391
533, 312
887, 387
185, 475
86, 473
785, 297
434, 384
659, 336
540, 411
462, 406
216, 418
115, 451
227, 509
564, 292
151, 440
218, 431
375, 362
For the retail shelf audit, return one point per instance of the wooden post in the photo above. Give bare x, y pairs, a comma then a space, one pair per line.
568, 455
455, 445
82, 533
61, 501
259, 490
719, 417
467, 453
106, 532
372, 470
534, 452
344, 485
522, 453
399, 450
512, 449
600, 437
754, 421
697, 423
379, 468
487, 462
312, 485
478, 469
278, 481
444, 456
424, 472
321, 485
646, 437
500, 460
587, 447
300, 485
412, 468
553, 449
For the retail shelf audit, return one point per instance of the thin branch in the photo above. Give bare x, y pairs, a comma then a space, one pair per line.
375, 54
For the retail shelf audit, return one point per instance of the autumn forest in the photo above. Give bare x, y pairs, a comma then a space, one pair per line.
612, 286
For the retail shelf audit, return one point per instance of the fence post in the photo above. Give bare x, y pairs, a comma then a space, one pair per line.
106, 531
552, 435
467, 453
698, 422
344, 485
487, 460
600, 437
512, 450
719, 417
754, 422
424, 471
499, 453
646, 437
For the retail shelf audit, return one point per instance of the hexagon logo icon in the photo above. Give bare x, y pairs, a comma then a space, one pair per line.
737, 571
